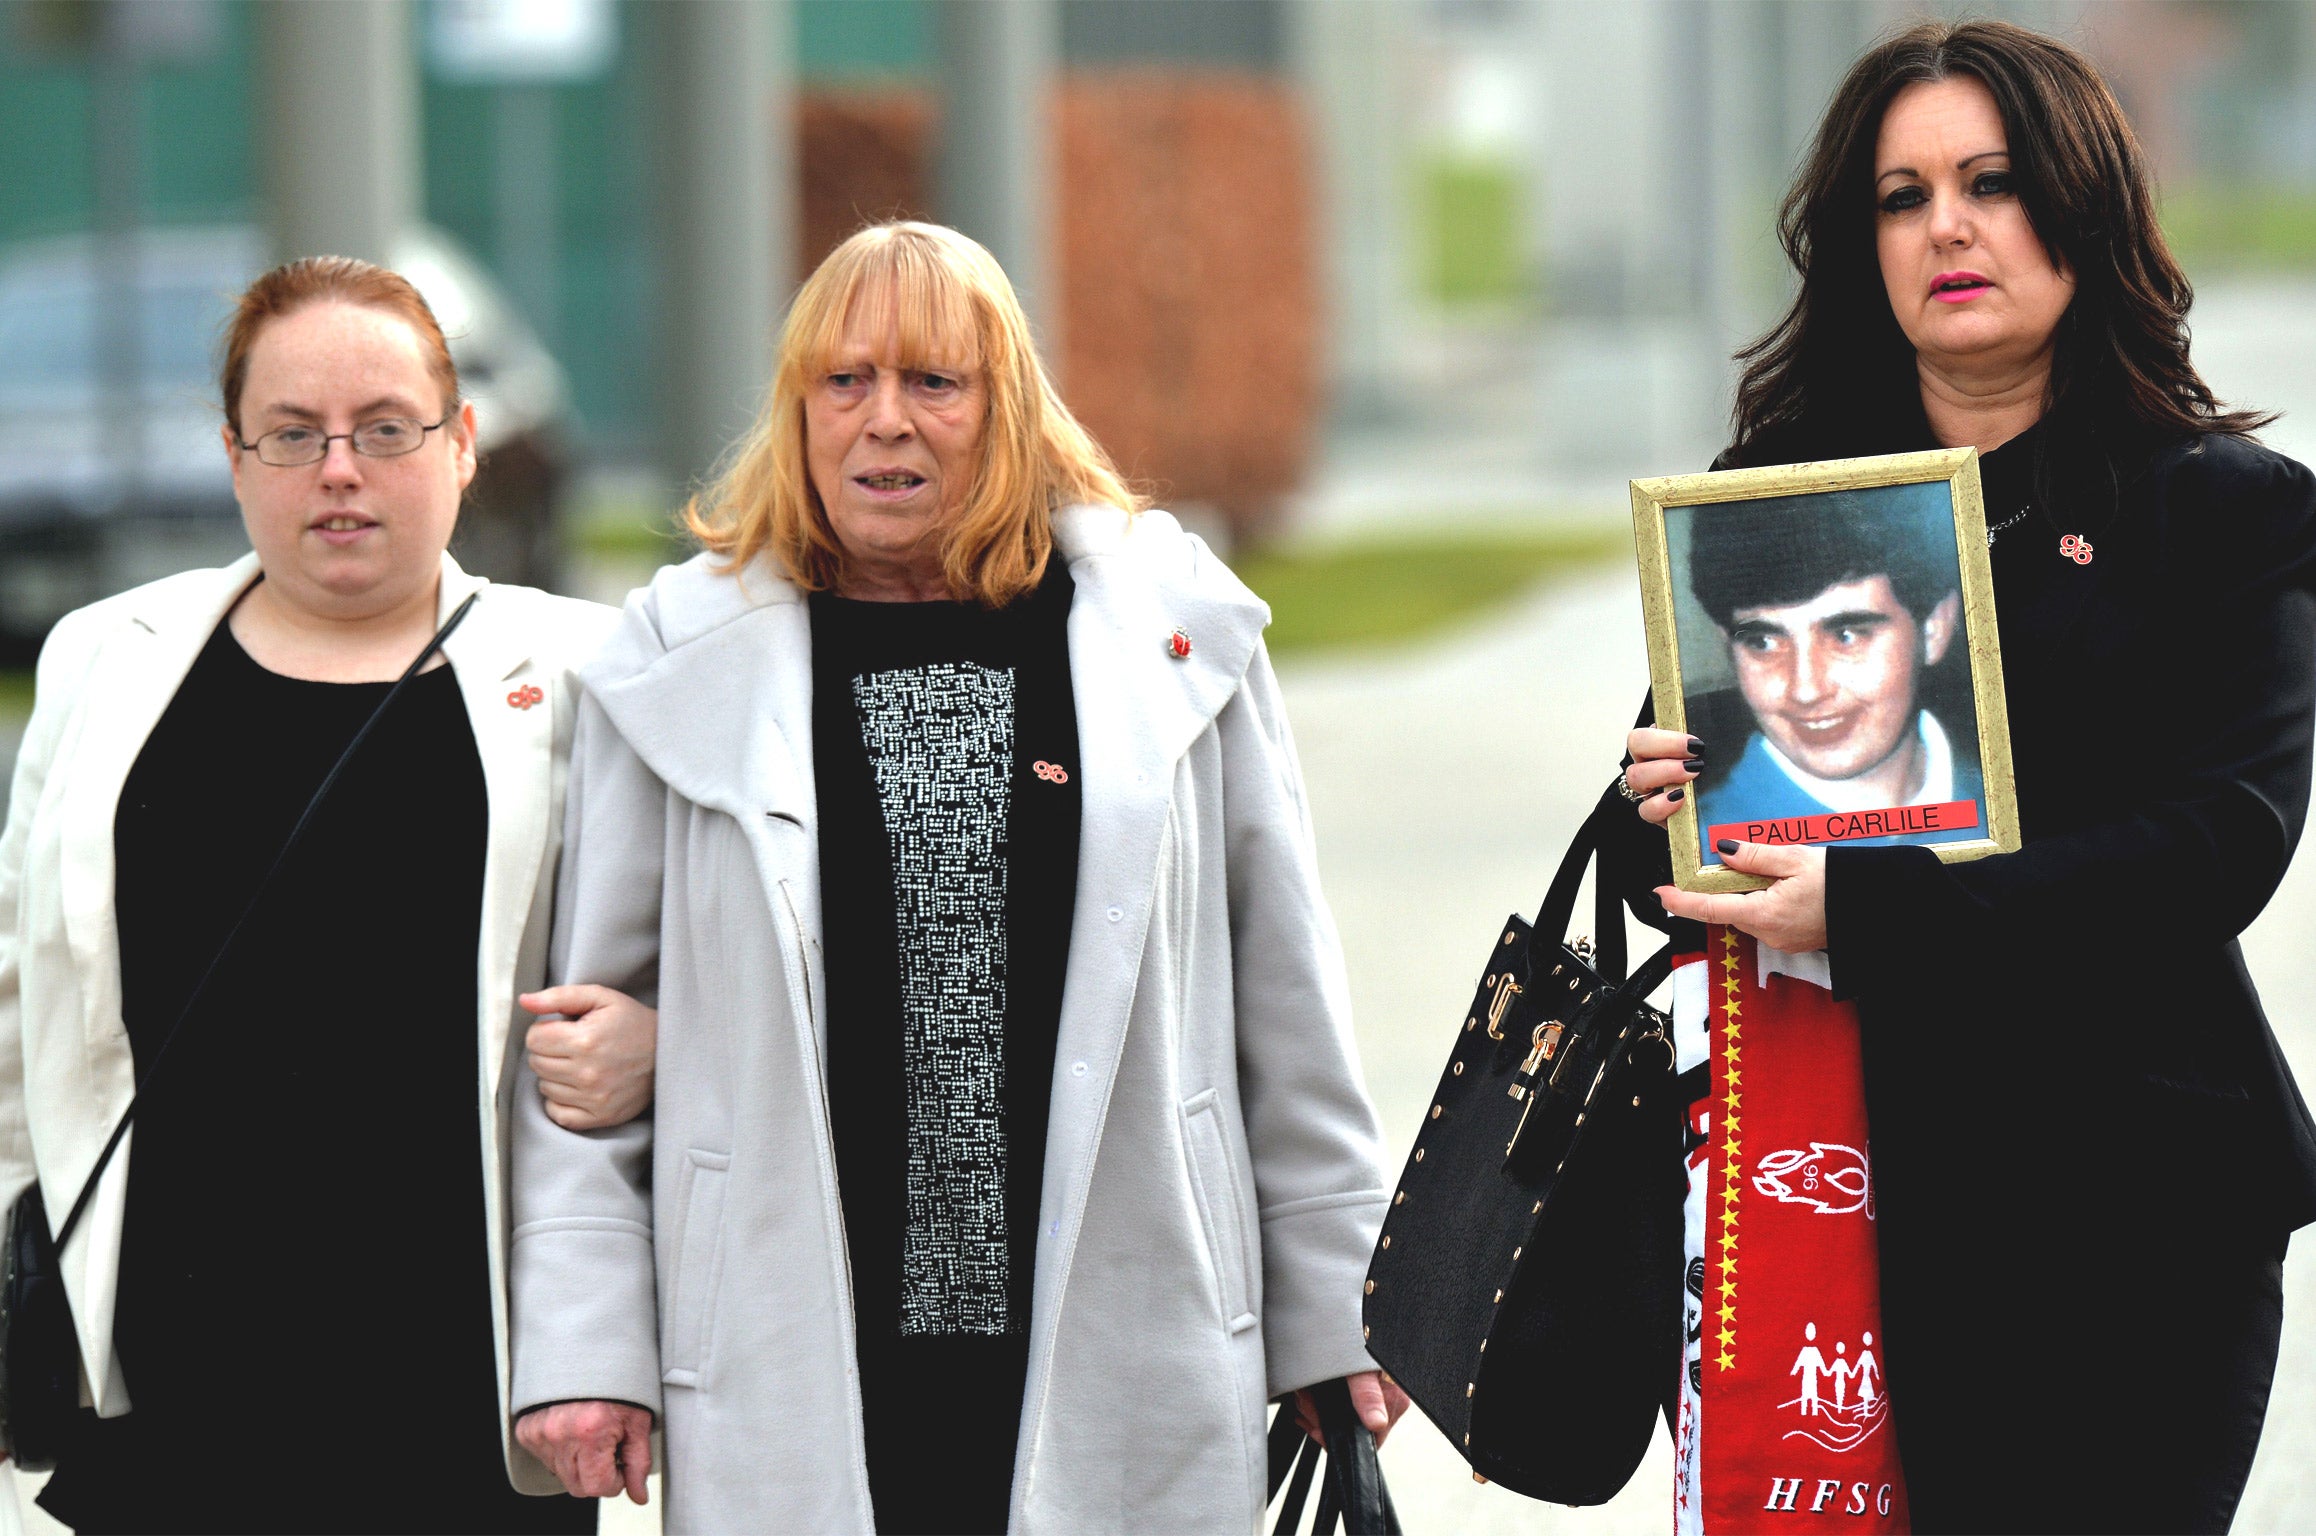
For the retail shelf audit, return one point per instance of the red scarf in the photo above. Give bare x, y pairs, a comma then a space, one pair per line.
1785, 1423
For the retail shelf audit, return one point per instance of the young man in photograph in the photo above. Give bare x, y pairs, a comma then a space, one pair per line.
1833, 616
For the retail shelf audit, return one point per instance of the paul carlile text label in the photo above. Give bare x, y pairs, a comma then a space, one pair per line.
1849, 826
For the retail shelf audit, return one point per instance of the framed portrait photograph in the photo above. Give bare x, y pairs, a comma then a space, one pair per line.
1828, 631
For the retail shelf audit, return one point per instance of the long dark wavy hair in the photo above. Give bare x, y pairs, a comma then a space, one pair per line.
1836, 375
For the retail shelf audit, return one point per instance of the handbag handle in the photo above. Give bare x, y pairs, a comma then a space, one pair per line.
1586, 848
297, 833
1353, 1493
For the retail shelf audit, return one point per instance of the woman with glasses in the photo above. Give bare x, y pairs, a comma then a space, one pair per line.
293, 1268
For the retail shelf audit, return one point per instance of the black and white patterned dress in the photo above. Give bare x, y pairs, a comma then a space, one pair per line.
946, 756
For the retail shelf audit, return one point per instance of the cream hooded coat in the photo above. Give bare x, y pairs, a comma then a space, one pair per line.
1212, 1183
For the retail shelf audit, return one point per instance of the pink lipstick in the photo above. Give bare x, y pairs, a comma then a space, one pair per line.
1958, 287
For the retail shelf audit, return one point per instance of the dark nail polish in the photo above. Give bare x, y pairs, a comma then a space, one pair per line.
1674, 795
1696, 746
1695, 765
1727, 846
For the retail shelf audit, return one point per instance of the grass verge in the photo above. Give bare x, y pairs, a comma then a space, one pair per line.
2233, 228
1389, 590
15, 693
1378, 591
633, 539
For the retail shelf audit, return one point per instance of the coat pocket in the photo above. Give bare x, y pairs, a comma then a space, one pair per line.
1214, 1180
699, 1268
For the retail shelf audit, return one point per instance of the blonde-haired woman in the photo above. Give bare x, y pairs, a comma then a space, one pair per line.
1009, 1150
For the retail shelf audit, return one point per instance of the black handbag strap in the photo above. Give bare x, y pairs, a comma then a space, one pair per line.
1353, 1493
1589, 847
297, 834
1650, 974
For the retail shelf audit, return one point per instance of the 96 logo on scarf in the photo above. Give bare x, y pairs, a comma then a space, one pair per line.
1828, 1175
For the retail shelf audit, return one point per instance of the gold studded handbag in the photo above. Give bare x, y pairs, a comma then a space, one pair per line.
1525, 1290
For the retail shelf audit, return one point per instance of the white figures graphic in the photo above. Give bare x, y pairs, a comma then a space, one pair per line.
1864, 1372
1841, 1401
1809, 1365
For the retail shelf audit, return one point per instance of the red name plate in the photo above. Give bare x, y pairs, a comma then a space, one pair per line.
1844, 826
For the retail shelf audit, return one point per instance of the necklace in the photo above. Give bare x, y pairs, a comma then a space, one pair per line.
2011, 521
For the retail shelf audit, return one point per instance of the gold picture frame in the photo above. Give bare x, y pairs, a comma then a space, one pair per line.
1664, 517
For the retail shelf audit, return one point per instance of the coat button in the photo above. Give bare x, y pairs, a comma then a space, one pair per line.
1077, 1069
1117, 914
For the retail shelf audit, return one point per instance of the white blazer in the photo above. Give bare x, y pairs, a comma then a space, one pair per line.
106, 675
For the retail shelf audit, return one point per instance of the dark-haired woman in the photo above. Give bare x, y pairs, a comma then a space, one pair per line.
287, 1286
2088, 1149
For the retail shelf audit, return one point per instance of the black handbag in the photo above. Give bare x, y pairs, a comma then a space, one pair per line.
1526, 1288
1351, 1492
40, 1366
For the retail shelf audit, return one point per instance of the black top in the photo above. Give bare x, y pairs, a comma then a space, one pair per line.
304, 1281
946, 757
2068, 1072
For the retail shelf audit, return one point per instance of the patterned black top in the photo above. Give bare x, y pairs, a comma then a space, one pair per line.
946, 755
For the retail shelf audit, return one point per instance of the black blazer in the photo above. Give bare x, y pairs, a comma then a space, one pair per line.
2087, 1147
2069, 1031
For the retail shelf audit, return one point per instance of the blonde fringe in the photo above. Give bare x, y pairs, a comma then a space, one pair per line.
950, 305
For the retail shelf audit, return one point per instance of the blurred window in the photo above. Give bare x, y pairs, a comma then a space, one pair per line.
47, 335
49, 339
183, 325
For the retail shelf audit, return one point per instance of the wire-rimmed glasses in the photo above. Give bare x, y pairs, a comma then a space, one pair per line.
389, 437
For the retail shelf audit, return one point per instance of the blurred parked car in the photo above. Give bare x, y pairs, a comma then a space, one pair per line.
111, 472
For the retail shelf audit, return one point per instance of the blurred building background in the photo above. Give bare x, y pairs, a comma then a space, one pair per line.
1327, 261
1389, 297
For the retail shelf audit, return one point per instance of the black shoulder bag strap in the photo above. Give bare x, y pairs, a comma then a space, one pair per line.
1553, 918
297, 834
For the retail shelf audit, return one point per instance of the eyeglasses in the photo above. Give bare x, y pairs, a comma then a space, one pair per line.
389, 437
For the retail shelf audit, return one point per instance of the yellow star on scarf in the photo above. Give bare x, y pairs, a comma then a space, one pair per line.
1728, 1361
1732, 1122
1734, 1079
1728, 1311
